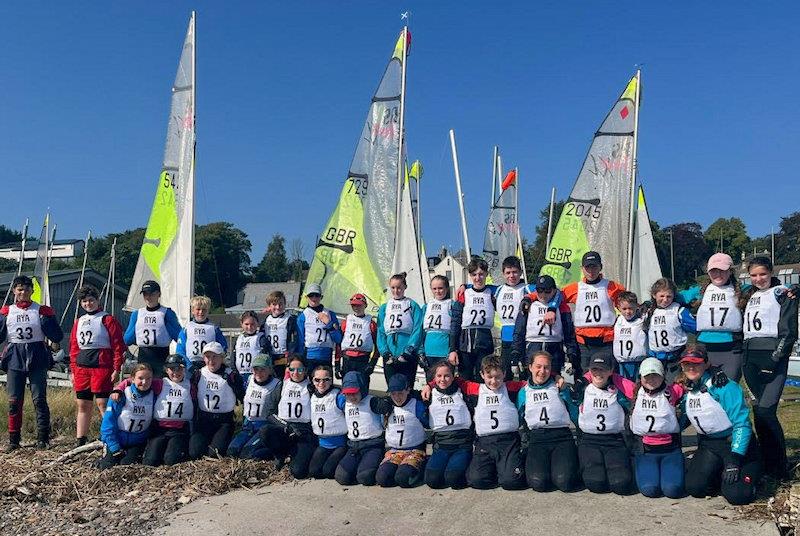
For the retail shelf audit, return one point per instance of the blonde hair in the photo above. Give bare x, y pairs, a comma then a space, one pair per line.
201, 302
140, 367
276, 296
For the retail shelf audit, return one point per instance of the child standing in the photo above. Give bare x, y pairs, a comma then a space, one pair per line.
630, 336
451, 422
471, 329
667, 324
152, 328
318, 330
595, 299
261, 399
126, 423
249, 343
363, 415
404, 461
359, 348
437, 318
552, 458
604, 397
280, 328
533, 334
218, 389
508, 297
197, 333
659, 459
25, 324
328, 423
399, 331
97, 352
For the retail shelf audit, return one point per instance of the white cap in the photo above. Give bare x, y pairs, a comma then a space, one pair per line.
651, 365
213, 347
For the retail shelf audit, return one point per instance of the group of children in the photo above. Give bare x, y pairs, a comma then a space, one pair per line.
637, 383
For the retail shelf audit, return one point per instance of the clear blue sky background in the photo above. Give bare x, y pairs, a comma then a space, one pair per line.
283, 89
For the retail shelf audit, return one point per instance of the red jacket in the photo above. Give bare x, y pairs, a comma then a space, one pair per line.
106, 357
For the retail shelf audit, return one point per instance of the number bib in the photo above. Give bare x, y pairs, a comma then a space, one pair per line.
544, 408
403, 429
362, 423
601, 412
357, 335
508, 299
174, 402
277, 332
495, 413
247, 347
666, 333
255, 399
478, 309
762, 314
537, 331
295, 404
24, 325
137, 413
327, 420
398, 317
448, 412
593, 307
197, 336
653, 415
705, 413
92, 333
437, 315
151, 329
316, 335
214, 393
718, 310
630, 340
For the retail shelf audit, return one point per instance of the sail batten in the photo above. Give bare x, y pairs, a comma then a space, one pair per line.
167, 253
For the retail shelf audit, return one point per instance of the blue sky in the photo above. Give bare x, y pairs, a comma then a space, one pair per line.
283, 89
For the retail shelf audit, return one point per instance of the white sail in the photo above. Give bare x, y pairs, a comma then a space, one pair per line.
407, 257
646, 269
167, 253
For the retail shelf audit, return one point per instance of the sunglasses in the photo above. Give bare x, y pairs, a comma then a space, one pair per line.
321, 380
297, 369
314, 295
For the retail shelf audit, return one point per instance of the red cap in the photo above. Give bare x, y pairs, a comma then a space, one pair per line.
358, 299
693, 357
351, 390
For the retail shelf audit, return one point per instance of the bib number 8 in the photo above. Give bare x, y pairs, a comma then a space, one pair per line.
356, 432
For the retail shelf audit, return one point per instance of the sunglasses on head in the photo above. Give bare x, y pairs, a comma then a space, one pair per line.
297, 369
321, 380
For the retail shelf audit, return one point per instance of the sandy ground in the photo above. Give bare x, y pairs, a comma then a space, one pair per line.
324, 507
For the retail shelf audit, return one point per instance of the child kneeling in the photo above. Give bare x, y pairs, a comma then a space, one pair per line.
126, 422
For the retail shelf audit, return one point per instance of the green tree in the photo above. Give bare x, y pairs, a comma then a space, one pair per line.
787, 240
691, 251
728, 235
222, 262
274, 267
9, 235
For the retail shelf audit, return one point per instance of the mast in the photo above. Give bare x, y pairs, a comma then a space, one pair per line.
83, 269
400, 160
494, 177
550, 219
460, 195
21, 258
194, 154
519, 233
634, 171
671, 257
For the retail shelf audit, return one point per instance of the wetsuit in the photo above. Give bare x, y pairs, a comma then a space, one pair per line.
330, 427
404, 461
400, 337
152, 329
259, 402
471, 329
453, 435
126, 427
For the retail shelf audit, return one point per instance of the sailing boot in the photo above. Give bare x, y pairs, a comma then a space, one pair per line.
13, 442
43, 440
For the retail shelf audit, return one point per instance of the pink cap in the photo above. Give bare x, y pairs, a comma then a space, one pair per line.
721, 261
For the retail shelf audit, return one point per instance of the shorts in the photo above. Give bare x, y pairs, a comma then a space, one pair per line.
92, 381
413, 457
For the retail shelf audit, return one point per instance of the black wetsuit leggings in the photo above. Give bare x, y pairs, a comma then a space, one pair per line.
300, 446
324, 461
605, 463
211, 435
167, 446
497, 459
767, 388
704, 471
552, 460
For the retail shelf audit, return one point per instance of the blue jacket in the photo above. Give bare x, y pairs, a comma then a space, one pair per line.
114, 438
318, 353
435, 343
731, 398
181, 348
170, 320
708, 337
400, 343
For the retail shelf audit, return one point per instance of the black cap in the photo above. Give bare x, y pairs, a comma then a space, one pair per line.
545, 283
591, 257
150, 286
398, 382
174, 361
603, 360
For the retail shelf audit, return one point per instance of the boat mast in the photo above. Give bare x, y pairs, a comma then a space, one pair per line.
634, 171
83, 271
460, 195
516, 221
494, 177
550, 220
194, 154
400, 160
21, 259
